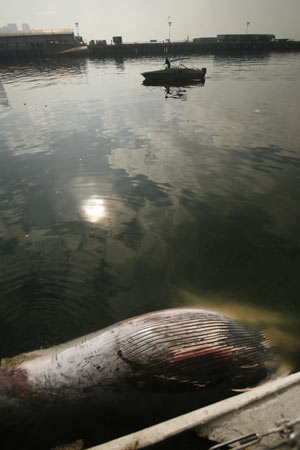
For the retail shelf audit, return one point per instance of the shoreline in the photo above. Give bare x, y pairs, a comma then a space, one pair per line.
152, 49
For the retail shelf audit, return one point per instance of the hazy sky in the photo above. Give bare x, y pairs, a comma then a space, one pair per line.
142, 20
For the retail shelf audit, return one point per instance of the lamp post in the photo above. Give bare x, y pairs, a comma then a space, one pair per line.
169, 23
77, 28
247, 26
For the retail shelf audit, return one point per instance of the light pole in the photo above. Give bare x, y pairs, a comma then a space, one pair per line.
77, 28
247, 26
169, 23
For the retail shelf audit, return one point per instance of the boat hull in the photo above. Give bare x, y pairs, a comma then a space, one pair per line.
175, 74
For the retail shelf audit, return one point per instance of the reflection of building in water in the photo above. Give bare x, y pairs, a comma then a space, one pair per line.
241, 59
38, 38
3, 96
119, 63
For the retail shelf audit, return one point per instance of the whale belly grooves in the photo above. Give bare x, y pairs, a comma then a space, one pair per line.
194, 349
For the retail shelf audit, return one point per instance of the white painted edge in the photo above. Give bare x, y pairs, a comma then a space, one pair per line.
172, 427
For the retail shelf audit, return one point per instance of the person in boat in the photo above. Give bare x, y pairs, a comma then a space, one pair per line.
167, 63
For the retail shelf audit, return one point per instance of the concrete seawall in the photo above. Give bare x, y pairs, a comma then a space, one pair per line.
188, 48
40, 52
154, 49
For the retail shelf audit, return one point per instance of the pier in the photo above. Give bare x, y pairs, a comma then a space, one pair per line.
189, 48
151, 49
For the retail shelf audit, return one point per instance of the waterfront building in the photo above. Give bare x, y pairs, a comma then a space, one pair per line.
11, 27
245, 37
25, 27
37, 39
205, 39
117, 40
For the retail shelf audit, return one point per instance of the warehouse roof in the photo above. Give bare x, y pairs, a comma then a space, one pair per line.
36, 33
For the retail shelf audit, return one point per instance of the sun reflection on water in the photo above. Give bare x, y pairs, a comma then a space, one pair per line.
93, 209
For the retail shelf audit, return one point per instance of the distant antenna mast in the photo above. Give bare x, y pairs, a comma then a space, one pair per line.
77, 28
247, 26
170, 24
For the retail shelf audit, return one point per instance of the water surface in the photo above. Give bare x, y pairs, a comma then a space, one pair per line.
117, 199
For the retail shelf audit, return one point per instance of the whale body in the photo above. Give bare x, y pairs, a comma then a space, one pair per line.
158, 364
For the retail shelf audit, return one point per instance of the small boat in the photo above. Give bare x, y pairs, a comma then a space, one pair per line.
266, 417
176, 73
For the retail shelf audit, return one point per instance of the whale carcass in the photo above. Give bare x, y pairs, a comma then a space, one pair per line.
155, 365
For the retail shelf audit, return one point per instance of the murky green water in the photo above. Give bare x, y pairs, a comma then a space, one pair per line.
118, 199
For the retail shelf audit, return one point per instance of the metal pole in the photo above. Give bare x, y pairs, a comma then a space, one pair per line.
77, 28
169, 23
